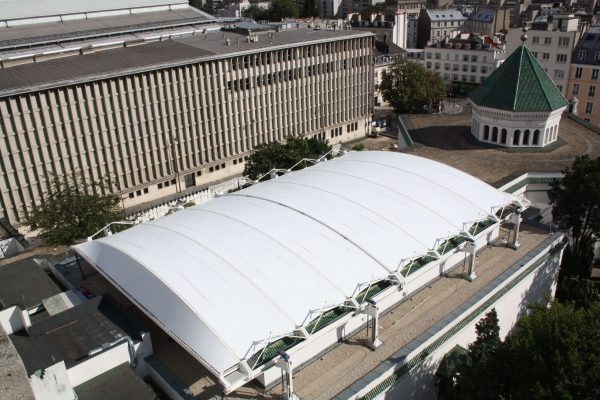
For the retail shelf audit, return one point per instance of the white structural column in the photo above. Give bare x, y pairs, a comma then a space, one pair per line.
471, 249
285, 363
373, 311
517, 224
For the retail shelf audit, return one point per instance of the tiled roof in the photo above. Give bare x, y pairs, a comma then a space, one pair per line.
519, 84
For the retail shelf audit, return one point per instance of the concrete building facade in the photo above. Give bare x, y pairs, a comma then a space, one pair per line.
464, 62
584, 77
436, 25
164, 117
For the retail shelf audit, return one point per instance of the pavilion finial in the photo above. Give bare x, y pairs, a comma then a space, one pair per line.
524, 36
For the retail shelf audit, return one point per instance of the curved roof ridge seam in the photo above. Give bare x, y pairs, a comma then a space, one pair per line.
228, 263
428, 180
394, 191
276, 241
208, 325
318, 221
354, 202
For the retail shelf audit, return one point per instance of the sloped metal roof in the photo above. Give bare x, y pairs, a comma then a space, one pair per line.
519, 84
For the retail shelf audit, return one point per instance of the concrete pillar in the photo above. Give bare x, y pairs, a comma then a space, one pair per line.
514, 243
285, 363
471, 248
373, 311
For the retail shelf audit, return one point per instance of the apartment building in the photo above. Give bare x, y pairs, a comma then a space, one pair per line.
464, 63
436, 25
159, 117
552, 43
584, 77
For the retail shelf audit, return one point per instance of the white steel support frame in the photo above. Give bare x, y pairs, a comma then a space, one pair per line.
514, 243
471, 248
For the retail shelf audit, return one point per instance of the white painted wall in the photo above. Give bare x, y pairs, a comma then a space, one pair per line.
94, 366
53, 384
10, 247
12, 320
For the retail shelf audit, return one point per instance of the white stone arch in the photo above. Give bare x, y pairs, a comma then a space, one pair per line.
516, 137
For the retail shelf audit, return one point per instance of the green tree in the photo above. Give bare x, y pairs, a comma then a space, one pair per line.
410, 88
575, 203
554, 355
266, 157
280, 9
256, 13
471, 366
488, 336
309, 9
73, 209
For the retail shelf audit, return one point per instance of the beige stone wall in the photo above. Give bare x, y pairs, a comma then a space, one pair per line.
145, 130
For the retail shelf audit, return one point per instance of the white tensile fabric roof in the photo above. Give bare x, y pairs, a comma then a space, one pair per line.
251, 265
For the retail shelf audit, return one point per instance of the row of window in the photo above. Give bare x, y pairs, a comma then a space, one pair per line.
139, 192
579, 73
591, 90
582, 54
296, 73
548, 40
464, 78
457, 57
266, 58
452, 23
456, 67
335, 132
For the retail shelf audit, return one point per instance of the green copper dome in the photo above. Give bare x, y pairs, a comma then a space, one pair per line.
519, 84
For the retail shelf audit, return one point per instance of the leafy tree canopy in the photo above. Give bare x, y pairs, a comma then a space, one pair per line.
309, 9
575, 203
73, 209
266, 157
278, 10
409, 87
552, 356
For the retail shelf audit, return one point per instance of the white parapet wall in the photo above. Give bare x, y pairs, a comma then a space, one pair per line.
12, 320
99, 364
531, 280
52, 383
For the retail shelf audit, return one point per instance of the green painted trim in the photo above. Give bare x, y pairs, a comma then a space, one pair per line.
527, 181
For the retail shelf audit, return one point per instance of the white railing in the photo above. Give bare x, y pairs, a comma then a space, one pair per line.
190, 199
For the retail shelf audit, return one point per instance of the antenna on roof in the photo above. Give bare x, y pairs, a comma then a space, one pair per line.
524, 36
